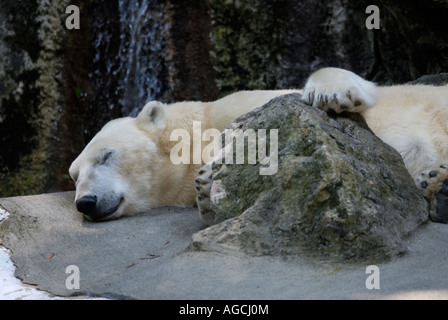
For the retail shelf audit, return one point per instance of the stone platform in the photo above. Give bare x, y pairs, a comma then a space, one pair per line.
148, 256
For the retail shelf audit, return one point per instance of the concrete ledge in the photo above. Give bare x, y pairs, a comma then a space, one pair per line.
147, 257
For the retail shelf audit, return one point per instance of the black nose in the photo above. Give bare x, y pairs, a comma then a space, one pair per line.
86, 204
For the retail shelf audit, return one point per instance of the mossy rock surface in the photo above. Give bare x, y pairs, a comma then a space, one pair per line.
339, 191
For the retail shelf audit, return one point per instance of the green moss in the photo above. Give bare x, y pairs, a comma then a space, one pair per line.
247, 42
242, 192
23, 182
30, 127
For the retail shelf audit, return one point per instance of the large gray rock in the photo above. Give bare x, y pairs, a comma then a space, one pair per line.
339, 192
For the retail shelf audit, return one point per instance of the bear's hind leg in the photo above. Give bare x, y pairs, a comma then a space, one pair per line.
203, 183
434, 184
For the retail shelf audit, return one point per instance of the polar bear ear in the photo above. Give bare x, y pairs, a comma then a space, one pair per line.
152, 116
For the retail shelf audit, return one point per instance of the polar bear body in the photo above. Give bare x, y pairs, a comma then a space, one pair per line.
414, 120
126, 168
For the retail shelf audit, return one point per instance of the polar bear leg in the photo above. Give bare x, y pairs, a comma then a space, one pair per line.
203, 186
339, 90
434, 184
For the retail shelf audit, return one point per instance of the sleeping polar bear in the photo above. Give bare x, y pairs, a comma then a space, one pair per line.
126, 168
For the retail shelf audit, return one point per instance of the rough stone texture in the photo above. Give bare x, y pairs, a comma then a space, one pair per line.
277, 44
130, 259
412, 41
31, 36
339, 192
432, 79
191, 73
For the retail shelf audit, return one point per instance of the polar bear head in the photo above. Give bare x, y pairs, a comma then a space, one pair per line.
115, 172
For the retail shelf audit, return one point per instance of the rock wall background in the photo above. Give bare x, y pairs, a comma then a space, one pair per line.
58, 87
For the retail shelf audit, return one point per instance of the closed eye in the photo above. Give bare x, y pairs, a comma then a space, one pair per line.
105, 157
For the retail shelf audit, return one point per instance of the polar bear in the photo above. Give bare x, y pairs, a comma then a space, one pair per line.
126, 168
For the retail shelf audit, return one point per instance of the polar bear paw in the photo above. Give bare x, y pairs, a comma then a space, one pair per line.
339, 90
434, 184
203, 186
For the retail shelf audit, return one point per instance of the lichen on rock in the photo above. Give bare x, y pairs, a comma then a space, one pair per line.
339, 192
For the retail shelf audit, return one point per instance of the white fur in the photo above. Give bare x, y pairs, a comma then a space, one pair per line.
332, 87
125, 176
411, 118
414, 120
139, 173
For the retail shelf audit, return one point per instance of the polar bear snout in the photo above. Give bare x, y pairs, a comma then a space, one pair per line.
95, 210
87, 205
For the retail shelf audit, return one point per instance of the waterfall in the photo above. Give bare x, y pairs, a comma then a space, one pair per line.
140, 54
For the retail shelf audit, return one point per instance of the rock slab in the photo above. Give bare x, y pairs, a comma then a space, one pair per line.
109, 257
339, 192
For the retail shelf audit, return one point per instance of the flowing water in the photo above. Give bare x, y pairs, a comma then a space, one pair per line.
129, 56
141, 53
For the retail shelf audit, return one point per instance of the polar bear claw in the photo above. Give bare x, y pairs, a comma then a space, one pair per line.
434, 185
339, 90
203, 183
